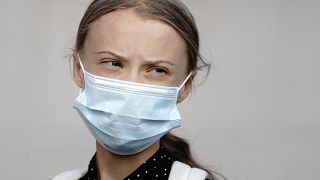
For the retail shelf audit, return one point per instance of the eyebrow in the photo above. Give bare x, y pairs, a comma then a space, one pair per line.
110, 53
125, 59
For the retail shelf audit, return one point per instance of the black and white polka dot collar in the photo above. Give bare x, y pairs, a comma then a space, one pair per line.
157, 167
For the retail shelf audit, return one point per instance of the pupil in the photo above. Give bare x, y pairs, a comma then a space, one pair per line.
159, 70
114, 63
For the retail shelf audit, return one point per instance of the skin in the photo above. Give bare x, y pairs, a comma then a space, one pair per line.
123, 45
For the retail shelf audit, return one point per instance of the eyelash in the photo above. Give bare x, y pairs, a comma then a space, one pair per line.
164, 70
112, 61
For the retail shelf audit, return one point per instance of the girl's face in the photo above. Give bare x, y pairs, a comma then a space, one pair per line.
123, 45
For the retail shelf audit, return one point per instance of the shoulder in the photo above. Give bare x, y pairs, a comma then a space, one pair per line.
182, 171
71, 175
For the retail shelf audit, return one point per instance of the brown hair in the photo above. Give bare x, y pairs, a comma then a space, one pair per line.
176, 14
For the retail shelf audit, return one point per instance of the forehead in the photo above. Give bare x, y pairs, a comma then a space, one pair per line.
133, 35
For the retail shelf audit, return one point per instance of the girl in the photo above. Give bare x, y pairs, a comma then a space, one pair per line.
134, 60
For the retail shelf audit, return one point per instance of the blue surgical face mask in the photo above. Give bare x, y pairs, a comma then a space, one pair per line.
127, 117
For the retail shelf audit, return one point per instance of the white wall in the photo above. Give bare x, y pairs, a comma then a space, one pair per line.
256, 117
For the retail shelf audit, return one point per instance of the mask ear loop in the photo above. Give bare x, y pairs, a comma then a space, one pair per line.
185, 80
82, 68
80, 62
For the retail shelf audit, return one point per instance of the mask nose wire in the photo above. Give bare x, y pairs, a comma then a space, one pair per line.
184, 81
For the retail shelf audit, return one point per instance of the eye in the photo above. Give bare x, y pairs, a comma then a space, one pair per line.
112, 64
158, 71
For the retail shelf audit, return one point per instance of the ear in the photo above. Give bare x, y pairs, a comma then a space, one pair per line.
186, 89
77, 71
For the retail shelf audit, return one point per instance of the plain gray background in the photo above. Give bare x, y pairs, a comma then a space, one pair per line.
257, 117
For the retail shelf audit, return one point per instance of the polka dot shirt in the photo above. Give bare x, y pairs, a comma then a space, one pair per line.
157, 167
